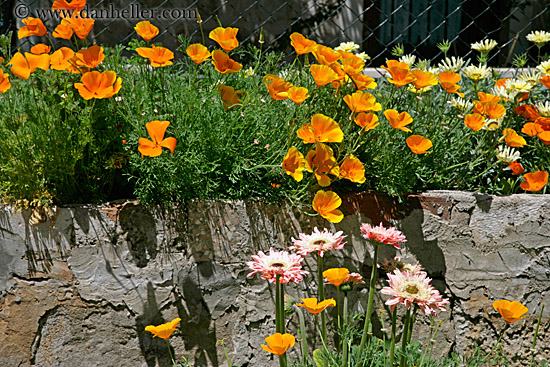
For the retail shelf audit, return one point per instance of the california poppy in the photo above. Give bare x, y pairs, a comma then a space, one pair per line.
81, 26
33, 27
63, 31
449, 81
419, 144
225, 37
321, 129
510, 311
534, 181
164, 330
315, 307
474, 121
325, 55
198, 53
368, 121
398, 120
90, 57
493, 110
487, 97
294, 164
40, 49
326, 203
301, 44
336, 276
516, 168
153, 147
528, 112
352, 169
60, 59
513, 139
146, 30
351, 64
297, 94
363, 81
4, 82
279, 343
98, 85
322, 74
399, 72
231, 99
531, 129
75, 5
224, 64
362, 102
423, 79
24, 66
158, 56
277, 87
545, 80
321, 162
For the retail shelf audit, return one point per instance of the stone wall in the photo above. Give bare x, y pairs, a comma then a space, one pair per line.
79, 291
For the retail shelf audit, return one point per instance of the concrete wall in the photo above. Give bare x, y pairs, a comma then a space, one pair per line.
79, 292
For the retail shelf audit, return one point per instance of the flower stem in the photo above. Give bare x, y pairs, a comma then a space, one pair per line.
393, 328
368, 328
277, 308
495, 346
170, 351
320, 280
405, 338
535, 336
302, 335
282, 307
345, 322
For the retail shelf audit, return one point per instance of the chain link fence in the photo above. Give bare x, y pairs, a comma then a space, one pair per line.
376, 25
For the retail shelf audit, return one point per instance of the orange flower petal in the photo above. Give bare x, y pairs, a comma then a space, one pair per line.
419, 144
146, 30
326, 203
534, 181
225, 37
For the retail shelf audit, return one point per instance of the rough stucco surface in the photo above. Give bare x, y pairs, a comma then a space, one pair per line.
81, 290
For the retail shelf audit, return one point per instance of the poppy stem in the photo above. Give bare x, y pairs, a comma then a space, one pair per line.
368, 328
170, 351
535, 336
495, 346
302, 334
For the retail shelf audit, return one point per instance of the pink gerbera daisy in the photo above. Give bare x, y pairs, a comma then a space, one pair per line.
319, 242
389, 236
408, 288
288, 266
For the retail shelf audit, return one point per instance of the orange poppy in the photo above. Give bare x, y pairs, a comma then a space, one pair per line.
368, 121
40, 48
225, 37
301, 44
277, 87
321, 161
322, 74
61, 59
531, 129
510, 311
326, 55
419, 144
528, 112
544, 136
98, 85
146, 30
198, 53
298, 94
4, 82
398, 120
337, 68
351, 64
231, 99
486, 97
501, 83
158, 56
336, 276
90, 57
224, 64
517, 168
399, 72
474, 121
352, 169
165, 330
545, 80
448, 81
543, 122
24, 66
326, 203
494, 110
153, 147
279, 343
315, 307
363, 81
362, 102
513, 139
534, 181
321, 129
33, 27
424, 79
81, 26
75, 5
294, 164
63, 31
